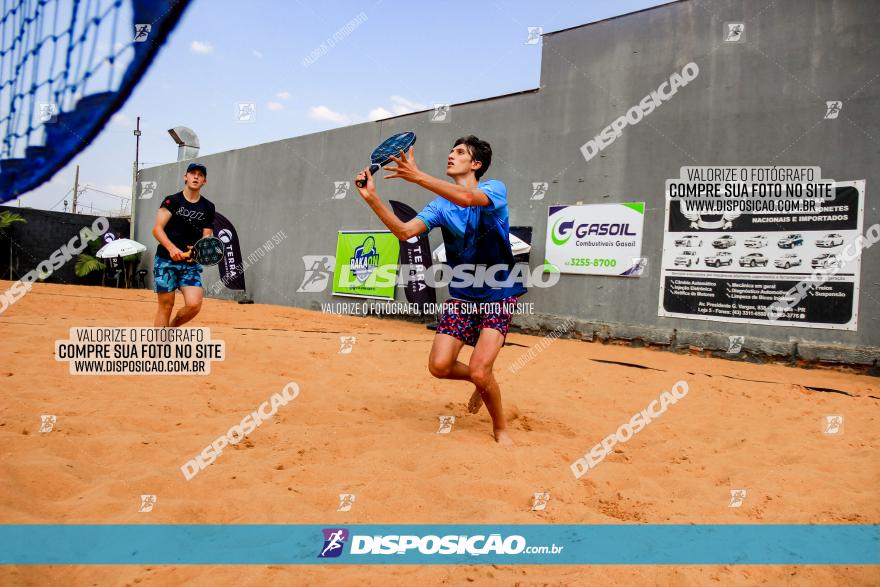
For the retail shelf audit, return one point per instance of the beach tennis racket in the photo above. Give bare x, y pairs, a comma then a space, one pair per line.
392, 146
208, 250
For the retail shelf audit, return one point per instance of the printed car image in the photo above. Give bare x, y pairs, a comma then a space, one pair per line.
724, 242
689, 240
791, 241
787, 261
830, 240
753, 260
825, 261
756, 242
719, 260
687, 258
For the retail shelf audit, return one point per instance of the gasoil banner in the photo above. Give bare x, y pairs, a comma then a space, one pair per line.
595, 239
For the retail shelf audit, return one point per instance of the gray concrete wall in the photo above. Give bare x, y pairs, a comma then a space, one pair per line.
758, 102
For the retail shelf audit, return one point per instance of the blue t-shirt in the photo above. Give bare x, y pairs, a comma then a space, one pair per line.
477, 235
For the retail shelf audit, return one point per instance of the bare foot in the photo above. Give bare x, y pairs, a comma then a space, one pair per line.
503, 438
476, 402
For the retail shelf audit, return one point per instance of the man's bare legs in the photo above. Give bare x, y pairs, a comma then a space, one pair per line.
192, 303
166, 306
482, 363
443, 363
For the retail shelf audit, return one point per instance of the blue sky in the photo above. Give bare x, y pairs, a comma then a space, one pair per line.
224, 52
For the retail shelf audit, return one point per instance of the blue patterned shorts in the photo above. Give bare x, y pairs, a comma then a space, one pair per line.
464, 320
169, 275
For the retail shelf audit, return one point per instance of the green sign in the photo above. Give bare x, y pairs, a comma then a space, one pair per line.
366, 264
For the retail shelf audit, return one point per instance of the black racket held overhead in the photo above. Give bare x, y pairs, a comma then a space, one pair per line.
208, 250
392, 146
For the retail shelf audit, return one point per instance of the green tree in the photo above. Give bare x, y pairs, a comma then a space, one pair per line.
86, 264
7, 219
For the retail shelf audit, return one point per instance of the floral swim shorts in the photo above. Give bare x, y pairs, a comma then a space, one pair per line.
464, 320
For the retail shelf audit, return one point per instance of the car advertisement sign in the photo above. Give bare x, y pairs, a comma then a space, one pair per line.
781, 269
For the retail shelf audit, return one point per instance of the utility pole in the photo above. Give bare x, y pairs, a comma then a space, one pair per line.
134, 176
75, 189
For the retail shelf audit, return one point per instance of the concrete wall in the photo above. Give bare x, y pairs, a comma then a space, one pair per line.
758, 102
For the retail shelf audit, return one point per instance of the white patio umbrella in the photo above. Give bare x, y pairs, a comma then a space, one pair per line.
517, 245
120, 247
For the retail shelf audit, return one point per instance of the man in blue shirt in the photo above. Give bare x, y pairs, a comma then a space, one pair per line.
473, 215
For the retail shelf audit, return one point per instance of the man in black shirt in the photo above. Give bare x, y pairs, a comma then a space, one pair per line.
183, 218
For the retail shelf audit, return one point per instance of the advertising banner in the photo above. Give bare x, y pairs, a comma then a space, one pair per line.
415, 253
113, 264
595, 239
231, 266
766, 267
359, 256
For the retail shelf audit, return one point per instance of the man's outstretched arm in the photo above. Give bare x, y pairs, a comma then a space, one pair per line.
457, 194
402, 230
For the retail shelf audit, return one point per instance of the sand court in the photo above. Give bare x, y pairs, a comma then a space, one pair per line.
365, 423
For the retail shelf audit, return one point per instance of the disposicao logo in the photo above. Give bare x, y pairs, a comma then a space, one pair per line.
334, 540
443, 545
495, 544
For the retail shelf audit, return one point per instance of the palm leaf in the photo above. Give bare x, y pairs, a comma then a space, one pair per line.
8, 218
86, 264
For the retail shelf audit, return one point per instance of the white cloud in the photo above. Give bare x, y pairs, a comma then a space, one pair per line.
275, 106
379, 113
257, 54
323, 113
284, 95
399, 105
201, 47
120, 119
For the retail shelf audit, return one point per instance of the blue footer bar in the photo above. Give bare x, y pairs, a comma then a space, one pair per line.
642, 544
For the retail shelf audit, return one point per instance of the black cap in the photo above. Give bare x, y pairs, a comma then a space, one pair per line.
195, 166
